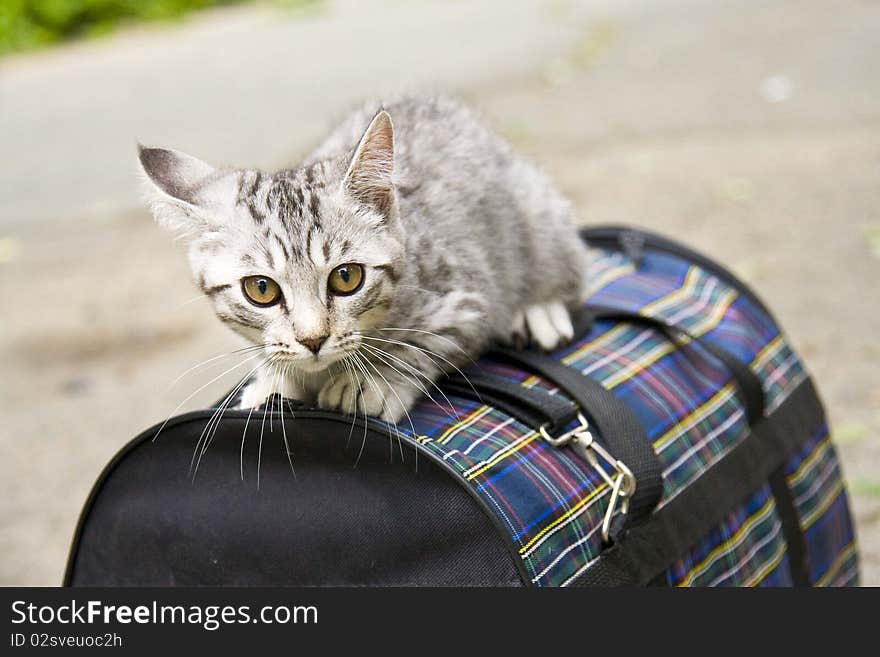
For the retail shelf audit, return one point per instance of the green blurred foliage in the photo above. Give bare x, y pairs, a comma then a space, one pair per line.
28, 24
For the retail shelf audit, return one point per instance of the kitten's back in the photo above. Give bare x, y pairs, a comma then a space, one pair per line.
465, 193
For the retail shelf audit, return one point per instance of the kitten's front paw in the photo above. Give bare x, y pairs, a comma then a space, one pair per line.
545, 325
255, 393
356, 394
340, 394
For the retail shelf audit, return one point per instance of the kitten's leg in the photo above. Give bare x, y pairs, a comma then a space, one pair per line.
545, 325
342, 392
266, 382
378, 384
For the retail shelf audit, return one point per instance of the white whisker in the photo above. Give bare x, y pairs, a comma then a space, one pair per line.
263, 423
241, 450
283, 429
428, 353
383, 355
207, 434
350, 375
216, 378
251, 348
403, 406
436, 335
372, 381
357, 380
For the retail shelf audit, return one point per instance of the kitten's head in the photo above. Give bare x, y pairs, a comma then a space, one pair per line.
300, 261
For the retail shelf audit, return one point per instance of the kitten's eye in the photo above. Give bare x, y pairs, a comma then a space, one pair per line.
346, 279
261, 290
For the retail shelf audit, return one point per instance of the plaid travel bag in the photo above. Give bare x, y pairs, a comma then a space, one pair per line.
677, 441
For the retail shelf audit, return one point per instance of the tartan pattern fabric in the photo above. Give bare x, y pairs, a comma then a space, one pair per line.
816, 483
551, 503
746, 549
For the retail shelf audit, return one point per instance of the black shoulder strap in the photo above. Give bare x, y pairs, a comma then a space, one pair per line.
616, 425
619, 429
531, 407
643, 555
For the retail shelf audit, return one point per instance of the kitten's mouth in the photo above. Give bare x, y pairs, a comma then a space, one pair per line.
306, 362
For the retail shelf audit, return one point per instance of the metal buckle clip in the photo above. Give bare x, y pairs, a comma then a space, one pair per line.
614, 472
568, 436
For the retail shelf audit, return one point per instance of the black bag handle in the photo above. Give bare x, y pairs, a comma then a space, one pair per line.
531, 407
748, 384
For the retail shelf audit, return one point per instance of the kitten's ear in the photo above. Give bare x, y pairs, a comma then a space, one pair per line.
175, 174
368, 179
186, 192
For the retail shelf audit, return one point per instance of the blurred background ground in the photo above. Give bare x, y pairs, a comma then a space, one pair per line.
747, 129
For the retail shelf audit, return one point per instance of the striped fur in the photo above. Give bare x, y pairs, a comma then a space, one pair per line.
461, 242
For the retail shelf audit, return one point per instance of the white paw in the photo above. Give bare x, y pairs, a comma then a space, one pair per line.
264, 384
546, 325
355, 394
340, 394
255, 393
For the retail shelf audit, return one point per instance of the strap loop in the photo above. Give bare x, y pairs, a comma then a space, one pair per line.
609, 419
531, 407
622, 482
748, 385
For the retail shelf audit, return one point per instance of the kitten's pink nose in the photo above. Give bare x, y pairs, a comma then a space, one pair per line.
313, 344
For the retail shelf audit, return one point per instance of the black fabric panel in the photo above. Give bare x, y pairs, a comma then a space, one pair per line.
796, 546
659, 580
382, 522
616, 424
646, 550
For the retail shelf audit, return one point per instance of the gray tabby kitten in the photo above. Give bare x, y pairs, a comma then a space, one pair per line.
393, 252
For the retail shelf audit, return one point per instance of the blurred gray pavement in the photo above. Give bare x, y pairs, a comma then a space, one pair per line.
248, 85
750, 130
